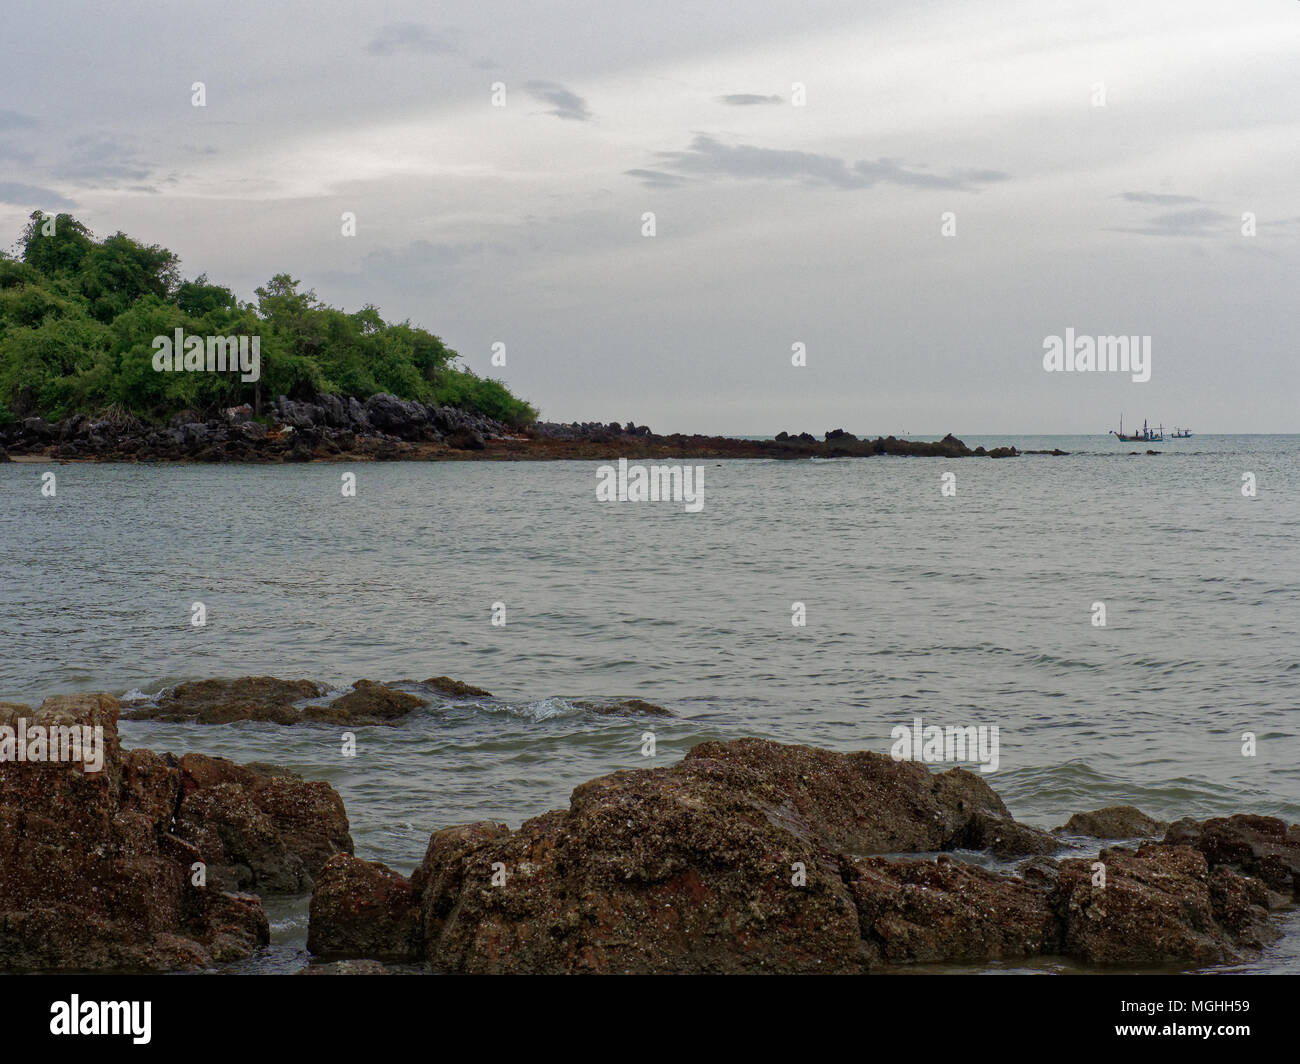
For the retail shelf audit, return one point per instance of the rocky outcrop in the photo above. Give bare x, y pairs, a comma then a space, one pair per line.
385, 428
91, 875
289, 430
751, 856
1112, 822
140, 864
265, 698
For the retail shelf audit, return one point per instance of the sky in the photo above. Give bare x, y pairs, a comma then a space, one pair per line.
920, 193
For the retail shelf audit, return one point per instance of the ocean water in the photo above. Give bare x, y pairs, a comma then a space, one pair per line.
973, 608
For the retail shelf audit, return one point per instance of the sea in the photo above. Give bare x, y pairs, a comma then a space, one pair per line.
1130, 622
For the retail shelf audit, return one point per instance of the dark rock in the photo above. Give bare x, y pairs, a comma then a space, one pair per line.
1004, 837
364, 909
367, 703
222, 701
456, 689
1260, 846
1113, 822
1156, 908
944, 910
465, 440
404, 418
625, 707
270, 833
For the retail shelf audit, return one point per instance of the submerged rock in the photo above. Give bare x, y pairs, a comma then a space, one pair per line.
222, 701
455, 688
367, 703
632, 707
271, 700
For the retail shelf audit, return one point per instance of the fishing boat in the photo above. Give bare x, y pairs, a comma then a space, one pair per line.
1148, 435
1181, 434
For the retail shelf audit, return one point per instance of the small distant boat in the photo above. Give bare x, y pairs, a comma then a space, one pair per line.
1148, 435
1181, 434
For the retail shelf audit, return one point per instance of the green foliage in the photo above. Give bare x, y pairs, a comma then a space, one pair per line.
78, 319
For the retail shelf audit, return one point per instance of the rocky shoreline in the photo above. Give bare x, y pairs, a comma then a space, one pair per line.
385, 428
746, 856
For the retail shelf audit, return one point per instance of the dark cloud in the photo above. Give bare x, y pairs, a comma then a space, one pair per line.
656, 178
747, 99
31, 196
408, 37
564, 104
1157, 197
708, 155
98, 158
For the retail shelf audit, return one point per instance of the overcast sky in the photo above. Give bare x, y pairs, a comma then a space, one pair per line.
775, 223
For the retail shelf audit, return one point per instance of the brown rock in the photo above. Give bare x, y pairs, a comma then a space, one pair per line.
1004, 837
222, 701
257, 832
1261, 846
368, 703
90, 876
730, 861
363, 909
944, 910
625, 707
1113, 822
455, 688
1156, 909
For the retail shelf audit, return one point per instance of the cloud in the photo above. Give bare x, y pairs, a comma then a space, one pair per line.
747, 99
14, 120
564, 104
1157, 197
656, 178
12, 153
31, 196
96, 158
408, 37
1201, 221
708, 155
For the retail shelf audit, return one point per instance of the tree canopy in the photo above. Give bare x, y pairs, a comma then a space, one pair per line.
78, 317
